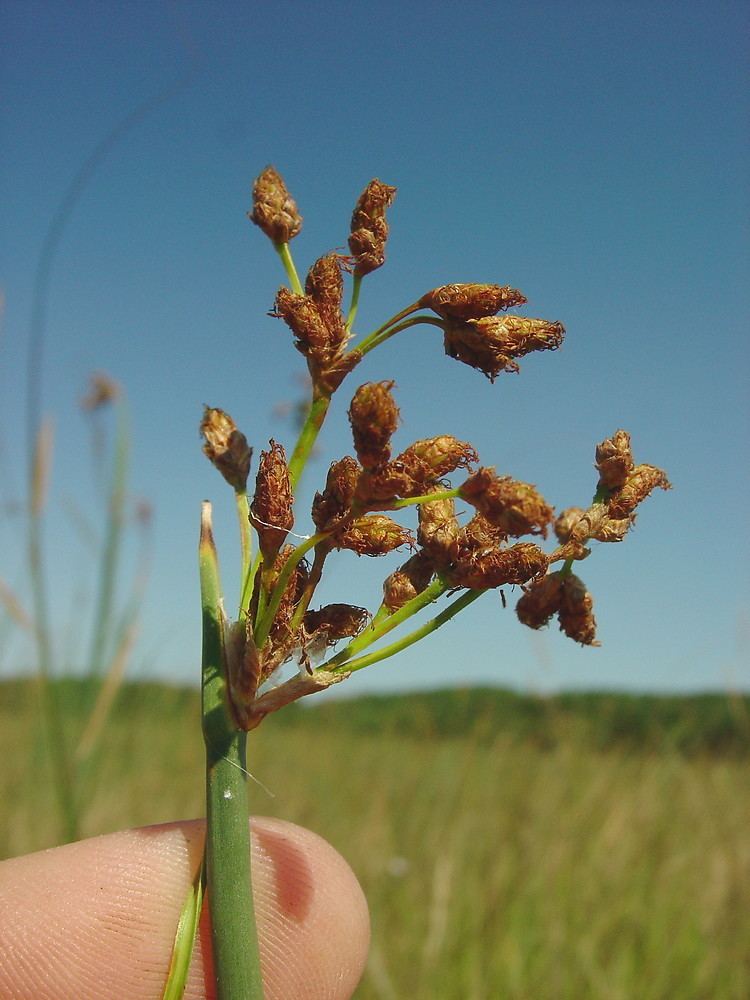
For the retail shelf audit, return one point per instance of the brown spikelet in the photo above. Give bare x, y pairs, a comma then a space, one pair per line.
495, 567
373, 535
576, 614
333, 505
492, 343
374, 417
541, 601
439, 531
566, 521
614, 460
226, 447
325, 286
369, 229
271, 510
640, 482
471, 301
432, 458
407, 581
598, 524
302, 316
338, 621
274, 209
515, 507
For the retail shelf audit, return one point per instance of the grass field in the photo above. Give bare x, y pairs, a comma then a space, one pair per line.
536, 860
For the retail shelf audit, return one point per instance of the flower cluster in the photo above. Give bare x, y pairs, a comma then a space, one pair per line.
476, 530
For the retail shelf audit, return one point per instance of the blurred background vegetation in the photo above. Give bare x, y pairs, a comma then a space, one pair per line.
582, 845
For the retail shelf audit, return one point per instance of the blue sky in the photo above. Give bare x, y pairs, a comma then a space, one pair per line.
594, 155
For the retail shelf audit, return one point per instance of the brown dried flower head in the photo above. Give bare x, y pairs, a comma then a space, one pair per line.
274, 209
226, 447
495, 567
102, 391
333, 505
492, 343
369, 229
407, 581
576, 614
374, 417
598, 524
432, 458
566, 521
325, 286
271, 512
373, 535
338, 621
515, 507
471, 301
640, 482
541, 601
439, 531
614, 460
303, 317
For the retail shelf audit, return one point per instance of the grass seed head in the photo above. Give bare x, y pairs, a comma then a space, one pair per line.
540, 601
271, 512
576, 614
407, 581
492, 344
226, 447
471, 301
274, 209
373, 535
515, 507
439, 531
334, 504
369, 229
614, 460
496, 567
374, 417
640, 482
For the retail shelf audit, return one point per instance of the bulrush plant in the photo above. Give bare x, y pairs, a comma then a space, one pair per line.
476, 531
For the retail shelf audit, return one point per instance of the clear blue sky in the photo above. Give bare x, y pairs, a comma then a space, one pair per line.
594, 155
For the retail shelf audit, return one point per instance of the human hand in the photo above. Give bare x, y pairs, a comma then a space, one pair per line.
96, 919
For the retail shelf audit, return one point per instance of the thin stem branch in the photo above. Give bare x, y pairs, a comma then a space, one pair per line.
408, 640
307, 436
263, 626
246, 547
282, 249
375, 341
354, 304
425, 498
388, 323
377, 629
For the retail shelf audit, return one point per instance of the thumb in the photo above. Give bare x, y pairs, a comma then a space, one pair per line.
97, 918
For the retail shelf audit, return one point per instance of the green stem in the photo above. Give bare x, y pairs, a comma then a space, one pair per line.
307, 436
263, 626
425, 498
408, 640
246, 544
373, 341
354, 305
377, 629
233, 931
388, 323
282, 249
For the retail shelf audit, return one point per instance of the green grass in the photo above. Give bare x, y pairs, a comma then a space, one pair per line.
577, 847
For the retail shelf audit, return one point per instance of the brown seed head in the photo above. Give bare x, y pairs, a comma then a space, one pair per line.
325, 286
496, 567
302, 315
407, 581
338, 621
271, 510
464, 302
369, 229
614, 460
515, 507
432, 458
492, 343
597, 523
274, 209
226, 447
576, 614
373, 535
439, 531
541, 601
640, 482
333, 505
373, 415
280, 633
102, 390
566, 521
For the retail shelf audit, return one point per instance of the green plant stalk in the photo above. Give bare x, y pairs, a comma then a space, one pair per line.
54, 730
365, 345
408, 640
233, 930
354, 305
374, 341
378, 628
282, 249
308, 435
247, 575
425, 498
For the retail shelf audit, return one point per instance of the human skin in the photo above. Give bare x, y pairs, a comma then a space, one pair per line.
96, 919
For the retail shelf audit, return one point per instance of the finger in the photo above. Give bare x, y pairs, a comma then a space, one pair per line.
96, 919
